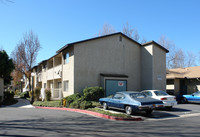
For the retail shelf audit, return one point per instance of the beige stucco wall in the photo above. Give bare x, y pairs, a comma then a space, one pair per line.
1, 88
153, 67
68, 72
159, 68
107, 55
147, 67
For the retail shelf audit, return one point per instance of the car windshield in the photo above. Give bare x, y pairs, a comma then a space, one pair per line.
137, 95
160, 93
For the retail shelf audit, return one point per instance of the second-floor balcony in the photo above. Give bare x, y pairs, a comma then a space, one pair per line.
58, 72
54, 73
50, 74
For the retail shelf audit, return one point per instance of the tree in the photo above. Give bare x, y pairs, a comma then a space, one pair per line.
177, 58
172, 55
190, 59
6, 66
131, 32
25, 54
107, 29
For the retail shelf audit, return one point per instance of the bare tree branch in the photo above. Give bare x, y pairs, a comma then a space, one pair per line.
25, 54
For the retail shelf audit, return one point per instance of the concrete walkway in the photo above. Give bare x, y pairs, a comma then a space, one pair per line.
22, 103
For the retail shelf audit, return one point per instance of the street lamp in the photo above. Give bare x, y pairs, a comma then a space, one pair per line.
21, 84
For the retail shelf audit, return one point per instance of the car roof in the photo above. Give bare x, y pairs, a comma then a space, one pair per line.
128, 92
153, 90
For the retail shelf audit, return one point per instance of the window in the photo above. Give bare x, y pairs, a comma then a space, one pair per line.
66, 83
67, 58
118, 96
147, 93
45, 85
160, 93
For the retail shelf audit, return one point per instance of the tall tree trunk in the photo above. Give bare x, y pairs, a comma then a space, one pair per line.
29, 80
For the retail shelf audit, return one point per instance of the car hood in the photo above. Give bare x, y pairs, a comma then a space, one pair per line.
147, 101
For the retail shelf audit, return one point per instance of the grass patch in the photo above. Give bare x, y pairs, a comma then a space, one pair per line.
55, 103
109, 113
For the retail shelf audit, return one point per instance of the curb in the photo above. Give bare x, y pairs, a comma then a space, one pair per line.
92, 113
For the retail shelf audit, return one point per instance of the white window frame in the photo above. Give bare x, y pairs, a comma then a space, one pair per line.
66, 86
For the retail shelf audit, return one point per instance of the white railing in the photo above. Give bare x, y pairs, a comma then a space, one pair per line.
56, 93
57, 71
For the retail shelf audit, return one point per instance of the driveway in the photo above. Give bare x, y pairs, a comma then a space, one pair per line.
22, 103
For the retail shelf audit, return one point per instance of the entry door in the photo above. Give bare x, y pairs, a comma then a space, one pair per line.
113, 86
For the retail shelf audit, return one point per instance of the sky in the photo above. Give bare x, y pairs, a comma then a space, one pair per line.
59, 22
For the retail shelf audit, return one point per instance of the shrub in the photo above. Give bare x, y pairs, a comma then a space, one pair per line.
8, 96
25, 94
75, 104
93, 93
47, 94
37, 93
17, 92
72, 98
85, 104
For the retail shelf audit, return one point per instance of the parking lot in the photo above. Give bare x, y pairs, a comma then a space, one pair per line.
178, 111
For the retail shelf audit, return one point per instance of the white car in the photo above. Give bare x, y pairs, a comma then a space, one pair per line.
168, 100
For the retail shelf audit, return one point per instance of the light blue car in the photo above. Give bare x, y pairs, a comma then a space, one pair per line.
195, 97
131, 101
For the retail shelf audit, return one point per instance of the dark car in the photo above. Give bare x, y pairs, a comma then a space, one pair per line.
131, 101
195, 97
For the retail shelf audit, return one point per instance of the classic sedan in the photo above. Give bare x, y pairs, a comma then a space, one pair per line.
195, 97
168, 100
131, 101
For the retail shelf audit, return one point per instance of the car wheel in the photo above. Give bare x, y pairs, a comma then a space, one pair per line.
128, 110
105, 105
148, 112
183, 100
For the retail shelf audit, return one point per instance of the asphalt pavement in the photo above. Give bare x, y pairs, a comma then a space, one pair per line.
183, 120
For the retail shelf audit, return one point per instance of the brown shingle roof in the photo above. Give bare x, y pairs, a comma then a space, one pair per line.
190, 72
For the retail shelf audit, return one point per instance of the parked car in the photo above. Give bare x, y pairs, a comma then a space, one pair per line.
131, 101
168, 100
195, 97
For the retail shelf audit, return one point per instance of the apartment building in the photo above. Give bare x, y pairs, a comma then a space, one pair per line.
183, 80
114, 62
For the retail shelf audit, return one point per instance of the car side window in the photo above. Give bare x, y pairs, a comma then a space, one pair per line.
196, 94
118, 96
148, 93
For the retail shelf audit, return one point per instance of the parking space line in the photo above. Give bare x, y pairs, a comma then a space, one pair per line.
179, 116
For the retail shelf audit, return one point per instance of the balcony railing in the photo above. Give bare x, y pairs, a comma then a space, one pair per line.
50, 74
57, 71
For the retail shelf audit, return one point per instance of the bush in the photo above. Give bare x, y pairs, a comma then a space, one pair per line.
37, 93
72, 98
8, 96
85, 104
25, 94
47, 94
17, 92
75, 104
93, 93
